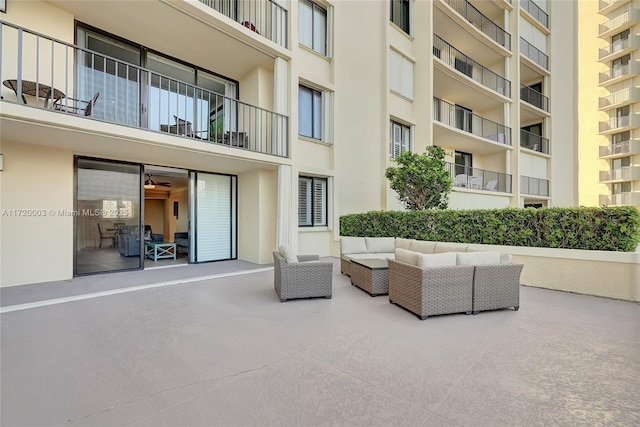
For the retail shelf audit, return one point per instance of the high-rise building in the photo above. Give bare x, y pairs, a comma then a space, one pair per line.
220, 129
609, 113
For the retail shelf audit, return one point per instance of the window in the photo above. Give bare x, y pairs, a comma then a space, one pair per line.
620, 66
618, 41
464, 118
400, 139
401, 75
619, 140
534, 129
621, 187
309, 112
400, 14
312, 202
312, 26
113, 209
463, 163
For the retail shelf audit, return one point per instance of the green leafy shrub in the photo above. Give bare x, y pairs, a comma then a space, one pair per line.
597, 228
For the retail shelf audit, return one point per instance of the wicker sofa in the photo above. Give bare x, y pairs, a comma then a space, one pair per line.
301, 276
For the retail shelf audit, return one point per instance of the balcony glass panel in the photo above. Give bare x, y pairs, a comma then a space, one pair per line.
534, 97
534, 54
534, 142
536, 11
534, 186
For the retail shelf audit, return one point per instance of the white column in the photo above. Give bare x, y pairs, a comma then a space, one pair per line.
283, 226
280, 105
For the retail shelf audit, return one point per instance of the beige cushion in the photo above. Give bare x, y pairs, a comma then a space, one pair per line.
353, 245
380, 255
290, 255
442, 247
506, 258
282, 249
437, 260
380, 244
423, 246
477, 258
402, 243
406, 256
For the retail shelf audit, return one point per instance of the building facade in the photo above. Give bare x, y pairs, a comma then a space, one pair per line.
609, 139
227, 128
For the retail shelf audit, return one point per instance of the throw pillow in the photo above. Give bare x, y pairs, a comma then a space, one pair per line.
477, 258
437, 260
290, 255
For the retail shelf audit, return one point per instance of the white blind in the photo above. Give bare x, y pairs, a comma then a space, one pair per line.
400, 137
401, 75
213, 217
304, 201
319, 202
305, 23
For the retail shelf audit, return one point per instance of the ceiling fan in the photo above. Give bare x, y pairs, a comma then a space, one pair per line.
151, 184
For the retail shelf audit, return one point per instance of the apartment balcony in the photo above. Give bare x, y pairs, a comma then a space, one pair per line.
479, 179
620, 73
535, 55
619, 20
534, 142
533, 97
619, 99
536, 12
65, 79
488, 39
619, 124
460, 64
625, 173
534, 186
606, 6
631, 198
459, 119
623, 149
264, 17
619, 48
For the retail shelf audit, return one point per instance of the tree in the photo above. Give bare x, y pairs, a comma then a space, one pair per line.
421, 180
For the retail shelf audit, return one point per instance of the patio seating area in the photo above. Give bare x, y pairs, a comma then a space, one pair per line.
225, 351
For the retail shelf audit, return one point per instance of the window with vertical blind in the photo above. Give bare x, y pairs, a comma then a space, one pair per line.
312, 26
400, 139
309, 112
312, 202
401, 74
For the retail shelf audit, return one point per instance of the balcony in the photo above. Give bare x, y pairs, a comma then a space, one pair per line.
622, 199
481, 22
534, 54
619, 20
625, 173
536, 12
479, 179
533, 97
132, 96
623, 149
264, 17
619, 73
620, 98
470, 68
534, 186
469, 122
619, 48
617, 124
534, 142
606, 6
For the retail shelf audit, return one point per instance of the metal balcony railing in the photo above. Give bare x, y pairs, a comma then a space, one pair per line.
628, 69
621, 174
625, 95
534, 142
614, 47
479, 179
534, 186
264, 17
470, 68
131, 95
615, 123
631, 147
625, 16
536, 11
467, 121
481, 22
533, 97
534, 54
620, 199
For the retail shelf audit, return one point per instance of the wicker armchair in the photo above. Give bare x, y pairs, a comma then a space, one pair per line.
431, 291
302, 279
496, 286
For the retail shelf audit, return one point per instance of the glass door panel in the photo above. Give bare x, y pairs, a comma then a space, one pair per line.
215, 217
107, 224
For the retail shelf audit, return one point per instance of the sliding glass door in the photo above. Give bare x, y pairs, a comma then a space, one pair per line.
107, 216
214, 204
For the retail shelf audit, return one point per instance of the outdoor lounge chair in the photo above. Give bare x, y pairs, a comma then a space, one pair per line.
307, 278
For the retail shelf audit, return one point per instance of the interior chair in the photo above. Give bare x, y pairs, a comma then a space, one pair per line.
181, 239
76, 106
109, 237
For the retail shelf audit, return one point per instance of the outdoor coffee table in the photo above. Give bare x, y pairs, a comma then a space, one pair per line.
370, 275
159, 250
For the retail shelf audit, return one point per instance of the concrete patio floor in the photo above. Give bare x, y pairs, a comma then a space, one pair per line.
225, 352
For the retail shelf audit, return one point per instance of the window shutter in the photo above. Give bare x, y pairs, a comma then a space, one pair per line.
401, 74
304, 202
305, 23
319, 202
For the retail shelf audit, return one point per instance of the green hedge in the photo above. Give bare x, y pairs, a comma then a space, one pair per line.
602, 228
